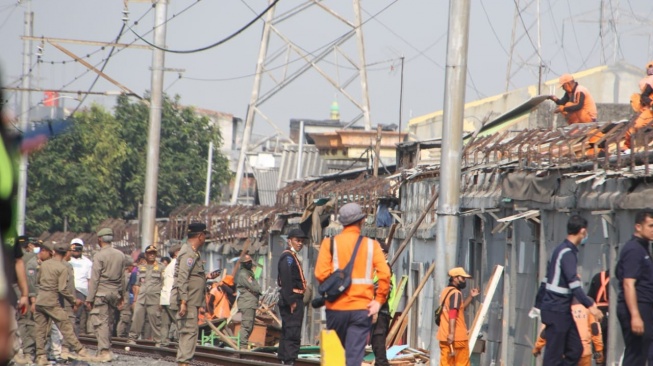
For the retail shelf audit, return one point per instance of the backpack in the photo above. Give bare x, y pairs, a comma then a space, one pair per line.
438, 311
340, 280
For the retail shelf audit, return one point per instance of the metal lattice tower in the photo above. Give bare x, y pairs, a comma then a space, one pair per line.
317, 61
526, 42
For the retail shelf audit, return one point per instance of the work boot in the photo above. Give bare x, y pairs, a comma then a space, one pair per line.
82, 355
42, 360
24, 359
66, 354
103, 356
131, 341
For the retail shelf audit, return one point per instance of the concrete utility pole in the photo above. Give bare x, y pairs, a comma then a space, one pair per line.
251, 109
24, 118
209, 170
154, 136
452, 142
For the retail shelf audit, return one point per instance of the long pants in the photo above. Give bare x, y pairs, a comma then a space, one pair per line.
642, 120
353, 328
53, 343
56, 314
188, 331
246, 326
153, 314
291, 332
637, 346
585, 361
563, 344
26, 331
102, 320
459, 356
379, 333
168, 324
13, 332
81, 317
124, 322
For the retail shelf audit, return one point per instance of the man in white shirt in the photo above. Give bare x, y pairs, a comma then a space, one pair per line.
82, 268
168, 319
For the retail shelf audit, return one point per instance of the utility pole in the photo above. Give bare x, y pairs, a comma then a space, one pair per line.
401, 97
300, 151
363, 69
452, 130
154, 136
251, 109
209, 170
377, 150
24, 118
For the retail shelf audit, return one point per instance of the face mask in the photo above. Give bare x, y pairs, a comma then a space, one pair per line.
462, 285
247, 265
584, 240
37, 250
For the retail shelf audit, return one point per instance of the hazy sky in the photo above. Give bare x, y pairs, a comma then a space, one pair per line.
221, 78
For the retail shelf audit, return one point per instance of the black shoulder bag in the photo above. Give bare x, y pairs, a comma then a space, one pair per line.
340, 280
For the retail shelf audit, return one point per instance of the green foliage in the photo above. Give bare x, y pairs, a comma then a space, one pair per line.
97, 169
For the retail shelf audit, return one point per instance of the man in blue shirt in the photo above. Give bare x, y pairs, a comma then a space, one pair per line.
635, 301
562, 284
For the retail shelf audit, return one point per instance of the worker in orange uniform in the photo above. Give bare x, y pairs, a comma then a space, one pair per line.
350, 315
590, 333
645, 104
452, 334
577, 105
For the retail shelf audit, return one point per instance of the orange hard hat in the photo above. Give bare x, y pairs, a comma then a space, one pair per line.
229, 280
564, 79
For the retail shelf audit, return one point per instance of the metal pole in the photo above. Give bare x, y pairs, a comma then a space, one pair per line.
24, 118
209, 170
251, 109
539, 51
363, 69
401, 97
154, 136
300, 150
452, 142
377, 150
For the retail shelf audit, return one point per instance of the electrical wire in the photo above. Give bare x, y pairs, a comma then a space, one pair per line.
213, 45
558, 36
4, 22
573, 28
487, 16
528, 35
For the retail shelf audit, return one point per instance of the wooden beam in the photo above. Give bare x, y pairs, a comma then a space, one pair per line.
222, 336
415, 227
86, 43
490, 289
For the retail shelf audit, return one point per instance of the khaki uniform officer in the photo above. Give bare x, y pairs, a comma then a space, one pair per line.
125, 321
53, 283
105, 291
249, 290
147, 295
188, 291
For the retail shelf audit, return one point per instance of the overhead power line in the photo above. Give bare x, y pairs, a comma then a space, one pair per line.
213, 45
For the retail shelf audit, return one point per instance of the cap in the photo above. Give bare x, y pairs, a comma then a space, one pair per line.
229, 280
459, 271
151, 248
197, 227
22, 240
77, 241
174, 249
297, 233
105, 231
46, 245
246, 258
564, 79
351, 213
61, 247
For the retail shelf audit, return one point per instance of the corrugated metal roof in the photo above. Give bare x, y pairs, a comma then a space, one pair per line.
312, 163
266, 185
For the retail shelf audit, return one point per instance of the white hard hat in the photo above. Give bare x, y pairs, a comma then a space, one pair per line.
77, 241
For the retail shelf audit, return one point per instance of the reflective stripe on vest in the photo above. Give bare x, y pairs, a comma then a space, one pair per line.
602, 294
367, 280
557, 271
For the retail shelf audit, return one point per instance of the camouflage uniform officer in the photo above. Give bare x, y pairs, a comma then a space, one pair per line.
147, 295
105, 291
188, 292
249, 290
53, 283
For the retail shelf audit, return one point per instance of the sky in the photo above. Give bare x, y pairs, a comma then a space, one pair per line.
221, 78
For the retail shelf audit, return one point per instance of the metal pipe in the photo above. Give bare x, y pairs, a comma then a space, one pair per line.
251, 109
452, 130
300, 150
24, 119
154, 134
209, 170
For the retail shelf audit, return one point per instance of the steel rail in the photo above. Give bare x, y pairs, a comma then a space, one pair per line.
203, 354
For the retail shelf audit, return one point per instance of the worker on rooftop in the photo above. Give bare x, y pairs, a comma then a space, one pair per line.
642, 104
577, 105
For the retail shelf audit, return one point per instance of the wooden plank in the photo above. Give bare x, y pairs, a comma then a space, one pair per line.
397, 324
403, 245
487, 299
222, 336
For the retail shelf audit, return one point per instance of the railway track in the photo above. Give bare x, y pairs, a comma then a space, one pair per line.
203, 354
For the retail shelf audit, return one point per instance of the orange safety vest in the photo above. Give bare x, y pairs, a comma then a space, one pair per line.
644, 82
587, 113
602, 293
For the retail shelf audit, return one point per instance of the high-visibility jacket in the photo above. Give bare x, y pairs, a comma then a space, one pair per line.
586, 113
584, 322
369, 258
647, 98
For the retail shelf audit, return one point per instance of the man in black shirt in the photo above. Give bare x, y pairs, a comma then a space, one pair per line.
635, 302
291, 302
